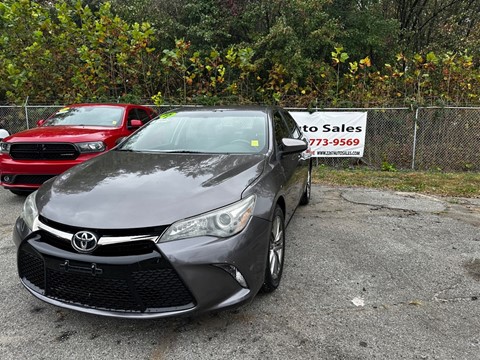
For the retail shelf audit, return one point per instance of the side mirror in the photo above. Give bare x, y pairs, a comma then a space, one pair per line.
135, 124
40, 122
291, 146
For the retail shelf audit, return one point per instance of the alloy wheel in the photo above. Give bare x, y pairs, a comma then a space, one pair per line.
277, 244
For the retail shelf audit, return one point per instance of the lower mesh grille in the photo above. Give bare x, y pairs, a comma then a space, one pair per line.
31, 268
110, 294
109, 287
160, 287
30, 179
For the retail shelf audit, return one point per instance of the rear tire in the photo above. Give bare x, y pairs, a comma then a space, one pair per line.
276, 252
308, 189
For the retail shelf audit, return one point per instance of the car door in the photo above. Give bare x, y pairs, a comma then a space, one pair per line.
288, 163
301, 171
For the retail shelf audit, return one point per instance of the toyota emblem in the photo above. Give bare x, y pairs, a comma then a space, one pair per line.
84, 241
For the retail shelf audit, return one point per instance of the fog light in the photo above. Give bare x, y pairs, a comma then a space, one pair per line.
235, 273
8, 179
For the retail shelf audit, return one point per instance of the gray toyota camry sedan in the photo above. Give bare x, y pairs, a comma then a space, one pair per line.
187, 215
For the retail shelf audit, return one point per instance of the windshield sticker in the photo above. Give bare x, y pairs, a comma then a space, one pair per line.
254, 143
167, 115
114, 122
64, 110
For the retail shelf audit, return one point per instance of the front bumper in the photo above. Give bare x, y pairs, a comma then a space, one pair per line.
173, 278
31, 174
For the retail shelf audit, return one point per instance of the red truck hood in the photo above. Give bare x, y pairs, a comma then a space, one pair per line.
72, 134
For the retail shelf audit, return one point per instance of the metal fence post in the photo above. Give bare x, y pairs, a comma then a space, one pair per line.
26, 112
415, 123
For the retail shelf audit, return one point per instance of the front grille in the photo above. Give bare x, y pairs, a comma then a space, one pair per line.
32, 269
29, 179
109, 294
150, 285
149, 231
56, 242
128, 248
169, 294
43, 151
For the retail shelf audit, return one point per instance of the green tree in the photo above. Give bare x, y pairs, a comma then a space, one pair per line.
435, 24
66, 52
365, 29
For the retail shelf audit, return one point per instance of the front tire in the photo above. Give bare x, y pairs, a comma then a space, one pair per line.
276, 252
21, 192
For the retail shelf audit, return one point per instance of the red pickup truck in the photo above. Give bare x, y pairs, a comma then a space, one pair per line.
70, 136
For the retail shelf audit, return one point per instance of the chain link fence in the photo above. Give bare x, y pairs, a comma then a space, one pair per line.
17, 118
430, 138
448, 139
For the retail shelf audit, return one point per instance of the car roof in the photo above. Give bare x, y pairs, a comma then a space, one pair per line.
102, 104
263, 108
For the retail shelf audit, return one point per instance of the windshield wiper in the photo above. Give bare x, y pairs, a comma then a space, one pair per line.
182, 152
162, 151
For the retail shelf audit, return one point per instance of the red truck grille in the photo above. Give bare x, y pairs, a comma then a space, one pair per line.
43, 151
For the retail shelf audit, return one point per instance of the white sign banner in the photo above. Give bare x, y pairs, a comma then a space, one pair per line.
333, 134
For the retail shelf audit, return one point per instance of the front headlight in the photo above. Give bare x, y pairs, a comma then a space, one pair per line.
30, 212
4, 147
91, 147
224, 222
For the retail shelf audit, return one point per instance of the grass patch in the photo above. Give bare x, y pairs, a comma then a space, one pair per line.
465, 184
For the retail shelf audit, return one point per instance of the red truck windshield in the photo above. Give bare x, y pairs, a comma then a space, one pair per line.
109, 116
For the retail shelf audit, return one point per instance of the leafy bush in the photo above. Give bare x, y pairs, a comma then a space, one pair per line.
66, 52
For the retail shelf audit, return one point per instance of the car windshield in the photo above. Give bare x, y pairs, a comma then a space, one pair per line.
203, 131
109, 116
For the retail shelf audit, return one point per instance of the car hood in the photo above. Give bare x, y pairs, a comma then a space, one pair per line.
71, 134
120, 190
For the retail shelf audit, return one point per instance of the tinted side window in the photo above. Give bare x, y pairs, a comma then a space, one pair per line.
138, 114
132, 115
143, 115
281, 129
292, 126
